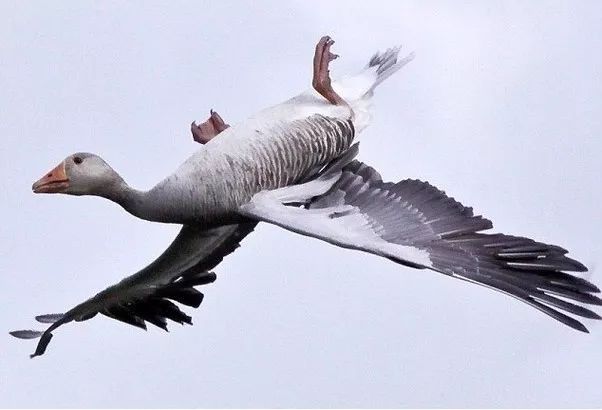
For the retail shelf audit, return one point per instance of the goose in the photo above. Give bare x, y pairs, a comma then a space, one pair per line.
294, 165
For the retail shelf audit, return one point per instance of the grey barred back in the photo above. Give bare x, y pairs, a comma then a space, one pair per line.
302, 146
282, 155
227, 172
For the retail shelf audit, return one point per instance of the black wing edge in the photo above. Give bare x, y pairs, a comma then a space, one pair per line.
154, 307
533, 272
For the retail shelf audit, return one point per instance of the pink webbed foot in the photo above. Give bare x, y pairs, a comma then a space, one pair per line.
206, 131
321, 78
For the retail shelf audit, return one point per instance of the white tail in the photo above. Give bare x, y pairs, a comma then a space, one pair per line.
386, 64
358, 89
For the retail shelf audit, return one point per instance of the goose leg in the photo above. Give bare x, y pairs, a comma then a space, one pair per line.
204, 132
321, 79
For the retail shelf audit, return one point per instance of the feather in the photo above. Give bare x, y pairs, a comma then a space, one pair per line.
49, 318
26, 334
415, 224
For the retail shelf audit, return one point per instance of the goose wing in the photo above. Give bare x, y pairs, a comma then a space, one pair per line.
415, 224
148, 295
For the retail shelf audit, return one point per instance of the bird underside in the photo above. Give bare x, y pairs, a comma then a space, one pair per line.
415, 224
346, 203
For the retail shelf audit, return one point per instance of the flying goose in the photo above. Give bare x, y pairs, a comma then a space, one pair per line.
293, 165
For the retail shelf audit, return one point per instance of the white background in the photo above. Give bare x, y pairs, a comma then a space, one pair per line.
501, 108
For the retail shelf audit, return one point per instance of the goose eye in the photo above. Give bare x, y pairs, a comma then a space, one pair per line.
78, 160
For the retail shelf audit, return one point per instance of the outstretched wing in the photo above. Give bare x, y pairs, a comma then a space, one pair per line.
415, 224
148, 295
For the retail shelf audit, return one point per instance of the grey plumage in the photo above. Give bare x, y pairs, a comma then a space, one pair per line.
417, 214
281, 166
280, 146
410, 213
49, 318
26, 334
269, 158
301, 146
387, 63
146, 296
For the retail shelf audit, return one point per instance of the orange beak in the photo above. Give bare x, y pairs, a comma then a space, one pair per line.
53, 182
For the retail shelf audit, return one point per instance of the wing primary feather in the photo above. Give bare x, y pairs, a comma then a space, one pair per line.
49, 318
186, 296
415, 224
42, 345
26, 334
143, 296
124, 315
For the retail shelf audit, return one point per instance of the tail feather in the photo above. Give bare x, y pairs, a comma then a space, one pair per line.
387, 64
358, 89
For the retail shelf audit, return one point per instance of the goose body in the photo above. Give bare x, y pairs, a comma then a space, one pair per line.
272, 149
292, 165
212, 184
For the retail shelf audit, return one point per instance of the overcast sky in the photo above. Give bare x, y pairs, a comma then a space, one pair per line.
501, 108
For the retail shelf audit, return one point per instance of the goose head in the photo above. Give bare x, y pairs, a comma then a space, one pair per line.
79, 174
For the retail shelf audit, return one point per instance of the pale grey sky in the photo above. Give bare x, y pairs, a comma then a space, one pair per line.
501, 108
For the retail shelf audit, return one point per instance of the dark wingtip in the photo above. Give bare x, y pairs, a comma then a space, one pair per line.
595, 316
26, 334
42, 344
49, 318
575, 324
593, 288
579, 267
